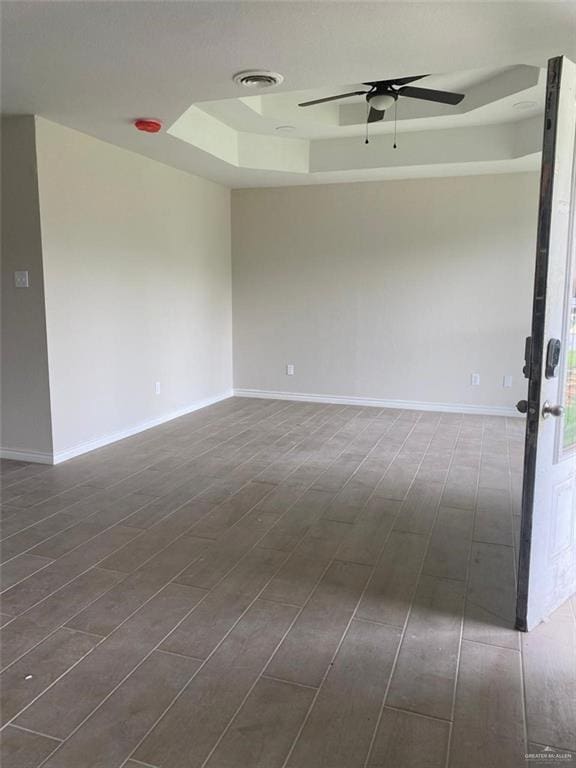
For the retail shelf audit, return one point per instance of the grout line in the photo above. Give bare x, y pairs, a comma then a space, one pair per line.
29, 730
286, 682
272, 599
418, 714
375, 621
491, 645
81, 631
175, 653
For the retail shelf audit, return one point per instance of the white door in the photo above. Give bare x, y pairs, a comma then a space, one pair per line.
547, 561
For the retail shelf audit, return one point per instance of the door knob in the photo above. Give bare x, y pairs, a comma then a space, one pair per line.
522, 406
551, 410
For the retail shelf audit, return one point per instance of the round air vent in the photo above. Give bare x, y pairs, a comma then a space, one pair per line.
257, 78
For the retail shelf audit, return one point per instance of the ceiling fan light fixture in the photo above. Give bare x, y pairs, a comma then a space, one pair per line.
258, 78
381, 101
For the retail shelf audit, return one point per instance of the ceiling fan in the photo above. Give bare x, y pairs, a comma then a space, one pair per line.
382, 94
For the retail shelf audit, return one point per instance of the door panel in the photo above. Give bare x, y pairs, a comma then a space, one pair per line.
547, 562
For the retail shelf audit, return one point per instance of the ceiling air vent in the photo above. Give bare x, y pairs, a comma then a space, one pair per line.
257, 78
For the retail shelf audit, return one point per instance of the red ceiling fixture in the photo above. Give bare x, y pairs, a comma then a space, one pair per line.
148, 124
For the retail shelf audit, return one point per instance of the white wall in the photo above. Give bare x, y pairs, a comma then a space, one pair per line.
390, 290
137, 280
26, 423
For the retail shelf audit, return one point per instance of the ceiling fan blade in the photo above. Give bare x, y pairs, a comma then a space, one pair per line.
397, 81
375, 115
442, 97
332, 98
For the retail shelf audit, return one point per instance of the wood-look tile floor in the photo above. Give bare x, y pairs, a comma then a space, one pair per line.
265, 584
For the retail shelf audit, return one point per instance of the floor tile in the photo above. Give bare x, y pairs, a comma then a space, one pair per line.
22, 749
105, 614
305, 654
425, 673
288, 531
200, 633
389, 594
398, 478
349, 700
78, 693
323, 539
22, 634
34, 672
224, 516
549, 652
42, 584
488, 719
460, 489
191, 727
406, 739
367, 536
296, 580
493, 520
261, 734
449, 548
418, 510
491, 600
109, 736
20, 568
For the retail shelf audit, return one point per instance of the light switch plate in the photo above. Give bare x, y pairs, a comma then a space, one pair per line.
475, 379
507, 381
289, 369
21, 278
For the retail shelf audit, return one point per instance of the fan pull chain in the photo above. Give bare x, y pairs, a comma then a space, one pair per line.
395, 146
367, 114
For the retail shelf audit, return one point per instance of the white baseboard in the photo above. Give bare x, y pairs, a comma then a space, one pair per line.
100, 442
36, 457
410, 405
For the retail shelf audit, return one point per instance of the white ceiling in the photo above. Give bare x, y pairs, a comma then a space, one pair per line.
95, 66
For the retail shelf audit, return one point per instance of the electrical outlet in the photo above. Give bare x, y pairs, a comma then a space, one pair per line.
475, 379
289, 369
507, 381
21, 278
157, 388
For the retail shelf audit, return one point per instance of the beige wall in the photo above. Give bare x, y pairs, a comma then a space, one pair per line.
137, 273
26, 424
390, 290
